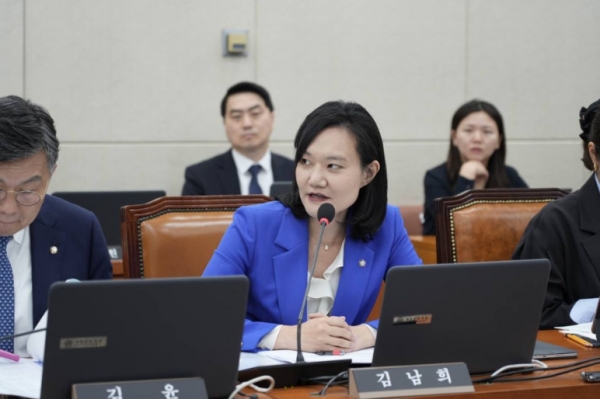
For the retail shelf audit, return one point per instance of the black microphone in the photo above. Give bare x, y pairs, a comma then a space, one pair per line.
325, 215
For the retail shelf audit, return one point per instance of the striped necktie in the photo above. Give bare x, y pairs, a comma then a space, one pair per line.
7, 297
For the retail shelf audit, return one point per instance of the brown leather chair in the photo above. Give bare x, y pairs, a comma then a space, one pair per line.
176, 236
411, 214
486, 225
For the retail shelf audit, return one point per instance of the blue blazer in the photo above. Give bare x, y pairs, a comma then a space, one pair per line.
82, 252
269, 245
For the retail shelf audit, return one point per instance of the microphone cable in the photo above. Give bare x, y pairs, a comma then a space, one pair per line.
6, 337
567, 368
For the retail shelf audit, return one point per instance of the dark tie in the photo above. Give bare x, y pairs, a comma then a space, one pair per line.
254, 187
7, 297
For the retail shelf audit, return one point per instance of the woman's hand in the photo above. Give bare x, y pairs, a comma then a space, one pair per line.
364, 338
319, 333
475, 170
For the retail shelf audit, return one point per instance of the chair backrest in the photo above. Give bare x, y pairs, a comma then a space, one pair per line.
176, 236
411, 214
486, 225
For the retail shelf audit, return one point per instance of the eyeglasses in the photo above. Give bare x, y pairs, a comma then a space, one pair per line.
25, 197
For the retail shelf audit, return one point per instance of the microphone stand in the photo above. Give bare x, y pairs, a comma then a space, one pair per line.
300, 356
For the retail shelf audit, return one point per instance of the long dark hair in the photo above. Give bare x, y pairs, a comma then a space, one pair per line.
496, 165
366, 215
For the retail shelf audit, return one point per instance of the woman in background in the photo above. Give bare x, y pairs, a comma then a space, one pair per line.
476, 158
339, 160
567, 232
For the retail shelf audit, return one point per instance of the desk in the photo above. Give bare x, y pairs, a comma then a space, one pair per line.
565, 386
425, 247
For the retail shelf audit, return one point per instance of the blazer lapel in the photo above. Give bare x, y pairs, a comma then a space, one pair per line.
589, 216
45, 265
280, 170
358, 264
291, 267
227, 175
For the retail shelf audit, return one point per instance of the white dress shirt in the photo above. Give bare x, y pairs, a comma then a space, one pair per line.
321, 295
19, 255
265, 176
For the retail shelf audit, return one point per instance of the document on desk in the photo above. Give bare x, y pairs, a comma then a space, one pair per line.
364, 356
583, 329
23, 378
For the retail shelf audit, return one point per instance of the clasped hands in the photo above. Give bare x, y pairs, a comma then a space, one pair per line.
326, 333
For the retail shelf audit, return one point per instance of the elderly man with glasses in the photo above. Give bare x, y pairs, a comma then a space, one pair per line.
43, 239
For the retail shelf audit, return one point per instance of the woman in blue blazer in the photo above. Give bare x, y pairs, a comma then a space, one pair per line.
339, 160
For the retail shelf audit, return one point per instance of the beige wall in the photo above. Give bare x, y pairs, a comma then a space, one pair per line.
135, 86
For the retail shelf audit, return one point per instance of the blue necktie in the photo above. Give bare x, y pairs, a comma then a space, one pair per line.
7, 297
254, 187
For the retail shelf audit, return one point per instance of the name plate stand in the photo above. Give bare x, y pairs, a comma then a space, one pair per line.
174, 388
416, 380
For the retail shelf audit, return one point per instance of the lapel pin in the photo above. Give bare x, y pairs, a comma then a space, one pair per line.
362, 263
53, 250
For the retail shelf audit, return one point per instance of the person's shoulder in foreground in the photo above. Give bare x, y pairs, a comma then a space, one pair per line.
566, 232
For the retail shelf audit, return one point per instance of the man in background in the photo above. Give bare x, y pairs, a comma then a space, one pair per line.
249, 167
43, 239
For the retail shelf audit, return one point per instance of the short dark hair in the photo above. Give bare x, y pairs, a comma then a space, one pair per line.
246, 87
25, 130
366, 215
496, 164
589, 120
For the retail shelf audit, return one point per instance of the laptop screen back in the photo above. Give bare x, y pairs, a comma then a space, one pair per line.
153, 328
484, 314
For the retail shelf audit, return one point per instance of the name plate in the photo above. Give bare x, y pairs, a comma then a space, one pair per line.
416, 380
174, 388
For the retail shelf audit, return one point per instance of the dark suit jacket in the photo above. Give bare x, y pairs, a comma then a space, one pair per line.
218, 175
567, 232
437, 185
82, 252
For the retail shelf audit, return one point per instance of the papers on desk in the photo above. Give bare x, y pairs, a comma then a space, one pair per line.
583, 329
364, 356
23, 378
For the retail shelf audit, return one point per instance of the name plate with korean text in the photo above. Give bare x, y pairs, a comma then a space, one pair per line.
174, 388
416, 380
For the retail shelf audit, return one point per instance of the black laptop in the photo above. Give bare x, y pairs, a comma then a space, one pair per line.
106, 205
484, 314
103, 331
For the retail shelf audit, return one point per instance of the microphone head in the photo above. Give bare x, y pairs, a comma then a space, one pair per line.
326, 213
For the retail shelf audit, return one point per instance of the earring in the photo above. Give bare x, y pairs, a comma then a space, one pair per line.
595, 167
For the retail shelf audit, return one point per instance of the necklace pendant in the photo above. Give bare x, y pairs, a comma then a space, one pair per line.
326, 247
